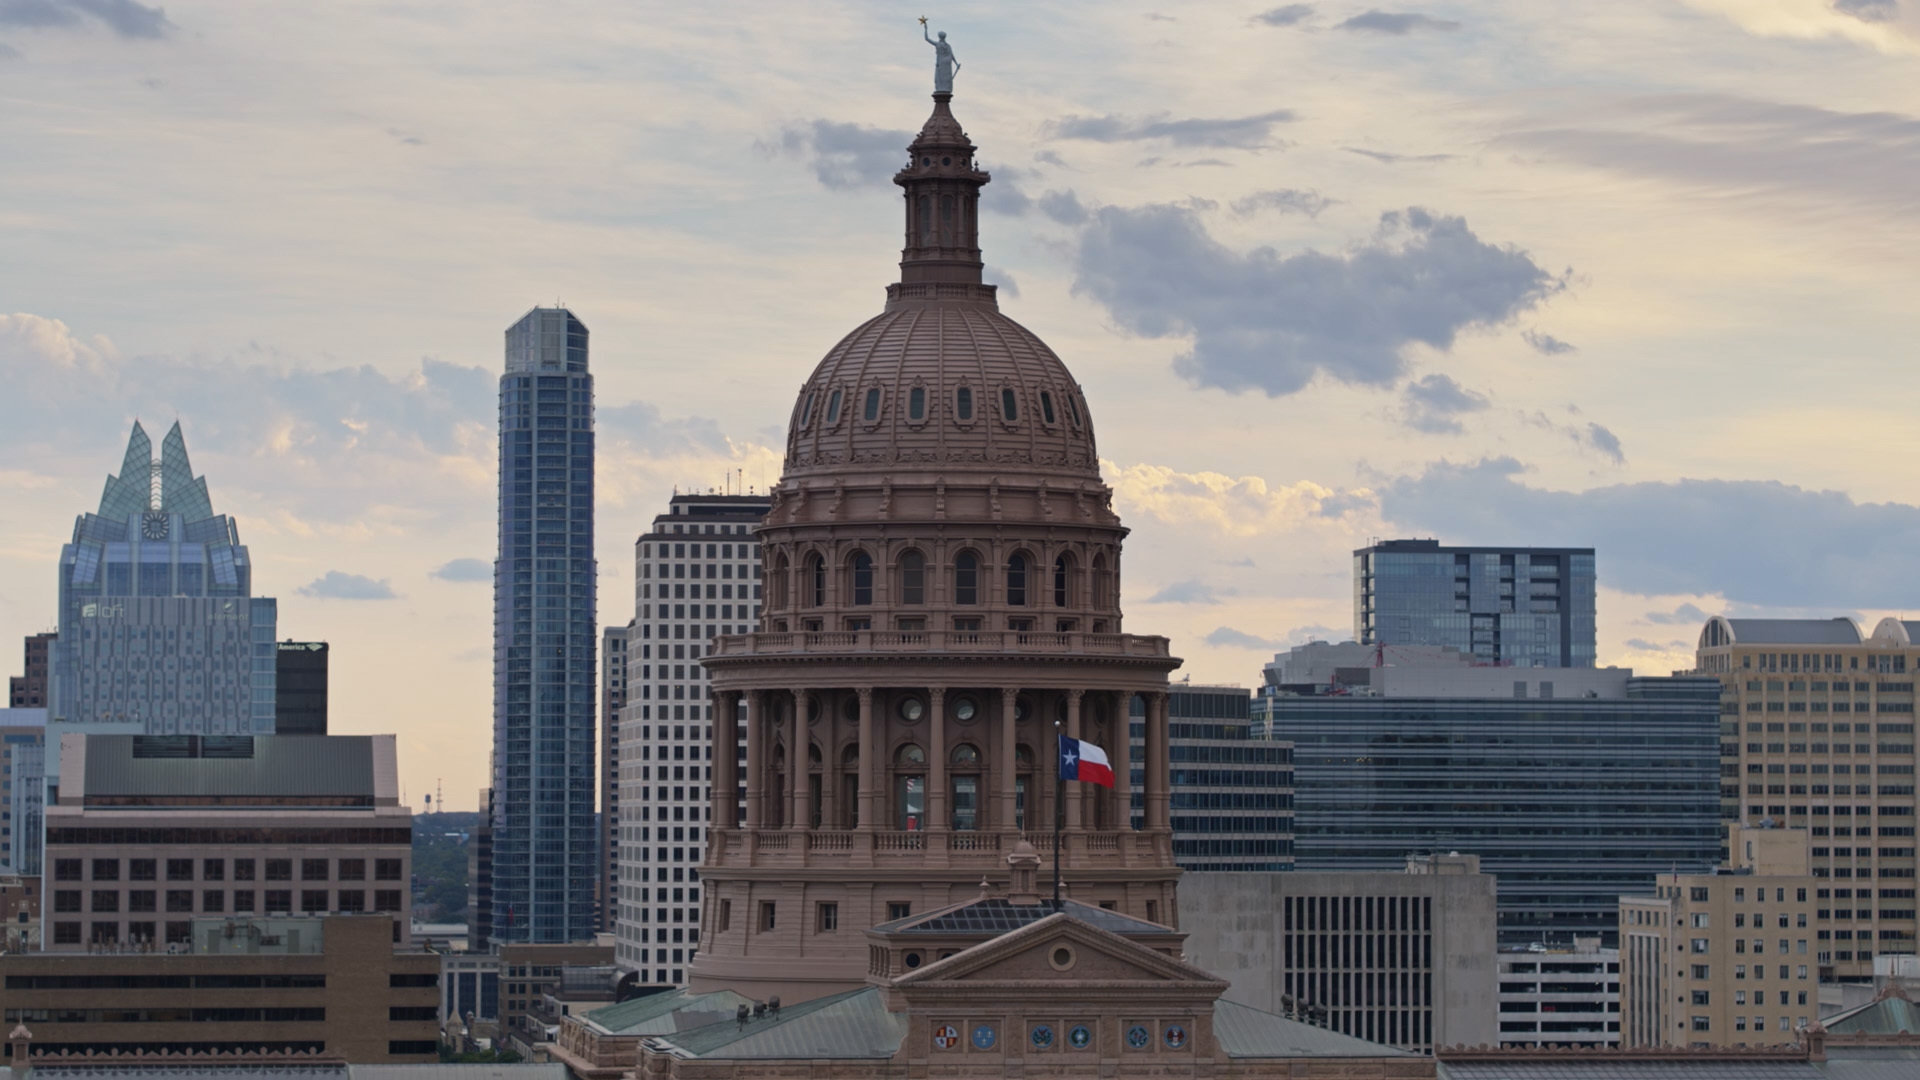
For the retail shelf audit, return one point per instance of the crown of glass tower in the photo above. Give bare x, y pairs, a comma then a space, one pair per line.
545, 856
158, 622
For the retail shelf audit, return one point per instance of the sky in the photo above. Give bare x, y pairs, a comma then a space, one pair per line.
1636, 276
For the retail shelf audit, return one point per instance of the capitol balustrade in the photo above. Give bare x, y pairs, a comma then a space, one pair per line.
1100, 849
912, 642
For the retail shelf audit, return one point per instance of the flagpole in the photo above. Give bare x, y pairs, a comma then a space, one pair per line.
1059, 813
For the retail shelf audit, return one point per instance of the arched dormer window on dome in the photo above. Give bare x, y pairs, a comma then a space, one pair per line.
833, 407
1046, 408
806, 412
862, 572
1009, 405
870, 411
1017, 580
815, 583
966, 578
963, 404
917, 404
913, 578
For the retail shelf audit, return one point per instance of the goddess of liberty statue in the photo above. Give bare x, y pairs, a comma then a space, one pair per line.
944, 65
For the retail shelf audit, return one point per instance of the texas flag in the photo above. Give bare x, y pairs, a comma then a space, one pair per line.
1084, 761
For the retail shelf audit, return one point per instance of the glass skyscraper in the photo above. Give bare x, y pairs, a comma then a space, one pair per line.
1232, 793
1574, 787
544, 850
159, 626
1517, 607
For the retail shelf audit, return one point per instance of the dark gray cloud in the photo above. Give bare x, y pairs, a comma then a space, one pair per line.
845, 155
1752, 541
1435, 403
1236, 132
1607, 443
1155, 16
406, 137
1287, 15
123, 17
1285, 200
1743, 149
1268, 322
8, 52
993, 275
335, 585
1398, 159
641, 423
465, 570
1186, 592
1643, 645
1868, 10
1007, 193
1063, 207
1684, 615
1545, 344
1396, 23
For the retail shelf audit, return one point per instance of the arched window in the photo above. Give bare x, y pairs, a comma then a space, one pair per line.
966, 755
1073, 410
963, 403
1017, 580
806, 413
816, 583
1046, 406
1062, 582
873, 404
862, 578
1009, 408
833, 407
910, 756
966, 578
778, 590
913, 578
917, 403
926, 220
1100, 585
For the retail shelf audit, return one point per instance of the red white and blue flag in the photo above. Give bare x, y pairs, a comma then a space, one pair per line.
1084, 761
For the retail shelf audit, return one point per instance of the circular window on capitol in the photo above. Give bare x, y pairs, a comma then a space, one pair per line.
966, 710
912, 709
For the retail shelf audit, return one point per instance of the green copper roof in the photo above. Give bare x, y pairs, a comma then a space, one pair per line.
664, 1014
1247, 1032
1886, 1016
855, 1024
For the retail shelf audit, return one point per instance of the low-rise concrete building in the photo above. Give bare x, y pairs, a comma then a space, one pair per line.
1724, 959
1404, 959
332, 985
528, 973
1560, 996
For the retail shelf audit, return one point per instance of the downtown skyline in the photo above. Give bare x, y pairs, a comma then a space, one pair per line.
1667, 292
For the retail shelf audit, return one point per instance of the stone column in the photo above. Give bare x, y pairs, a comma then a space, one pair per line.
1077, 795
756, 764
939, 814
829, 762
870, 751
721, 784
1123, 779
1162, 796
1003, 761
797, 764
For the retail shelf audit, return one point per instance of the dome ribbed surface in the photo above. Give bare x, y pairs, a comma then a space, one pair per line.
941, 347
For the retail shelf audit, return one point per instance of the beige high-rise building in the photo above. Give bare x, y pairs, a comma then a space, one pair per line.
942, 595
1817, 734
1724, 959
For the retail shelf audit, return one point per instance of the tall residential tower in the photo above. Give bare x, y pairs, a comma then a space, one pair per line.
159, 626
1515, 607
545, 855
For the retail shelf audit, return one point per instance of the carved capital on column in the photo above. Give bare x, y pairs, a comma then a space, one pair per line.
865, 694
935, 695
1075, 694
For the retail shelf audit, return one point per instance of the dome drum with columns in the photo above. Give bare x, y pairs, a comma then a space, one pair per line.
942, 585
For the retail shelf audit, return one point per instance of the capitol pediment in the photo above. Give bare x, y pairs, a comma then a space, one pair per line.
1060, 954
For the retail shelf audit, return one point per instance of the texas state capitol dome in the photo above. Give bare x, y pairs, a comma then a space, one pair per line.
942, 586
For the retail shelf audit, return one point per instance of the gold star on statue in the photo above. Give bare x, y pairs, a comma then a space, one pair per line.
923, 20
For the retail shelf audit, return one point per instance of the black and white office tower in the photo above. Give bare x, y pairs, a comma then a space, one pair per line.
545, 678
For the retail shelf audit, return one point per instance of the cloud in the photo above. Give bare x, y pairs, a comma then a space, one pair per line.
1398, 159
1063, 207
1643, 645
993, 275
1751, 541
844, 156
1226, 637
1007, 193
1873, 11
1606, 442
1431, 404
464, 570
1684, 615
124, 17
8, 52
641, 424
406, 138
1288, 15
1741, 148
1154, 16
1186, 592
1263, 321
338, 586
1546, 344
1238, 132
1395, 23
1285, 200
1243, 506
1048, 157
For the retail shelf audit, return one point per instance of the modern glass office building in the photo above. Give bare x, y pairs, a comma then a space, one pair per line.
1573, 786
544, 851
1232, 793
1522, 607
158, 622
